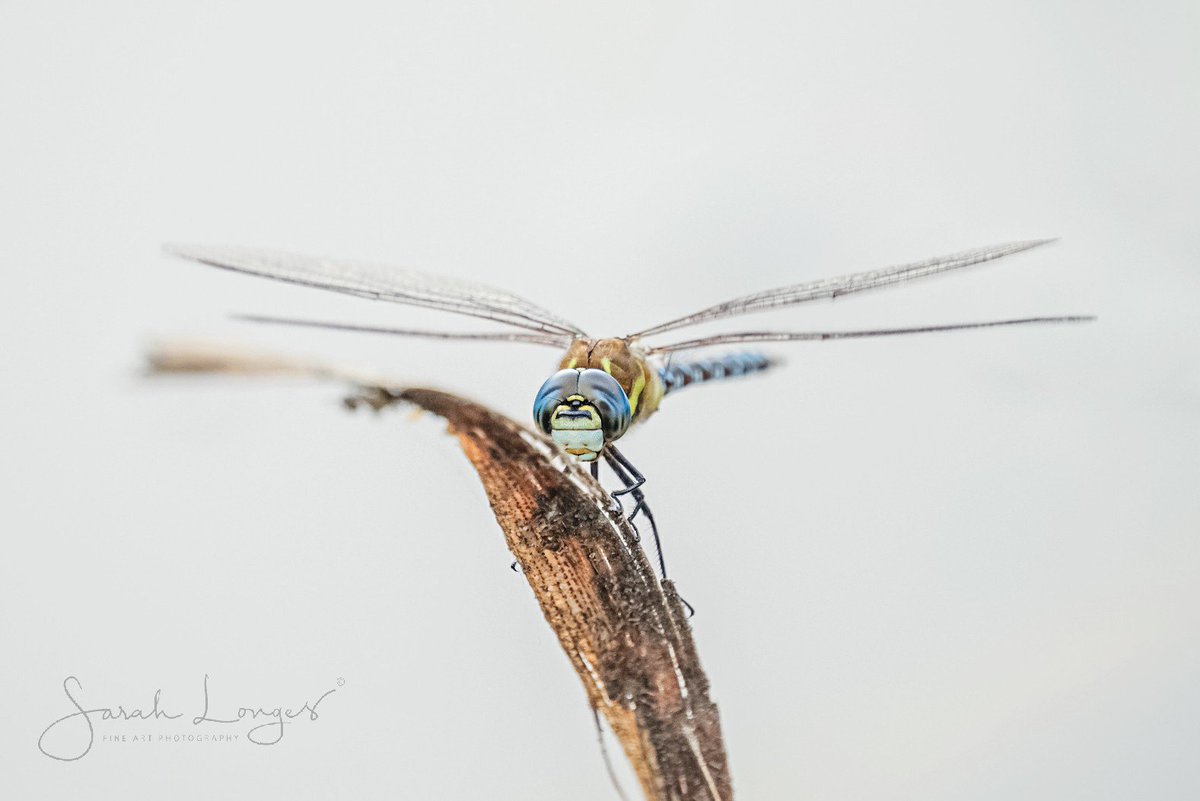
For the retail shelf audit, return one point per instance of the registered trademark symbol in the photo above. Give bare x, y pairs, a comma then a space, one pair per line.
340, 681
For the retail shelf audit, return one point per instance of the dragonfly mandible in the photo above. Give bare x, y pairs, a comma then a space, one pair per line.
603, 386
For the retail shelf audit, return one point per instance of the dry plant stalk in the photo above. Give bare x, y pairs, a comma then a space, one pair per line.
624, 632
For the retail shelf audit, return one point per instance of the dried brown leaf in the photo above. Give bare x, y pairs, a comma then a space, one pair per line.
623, 631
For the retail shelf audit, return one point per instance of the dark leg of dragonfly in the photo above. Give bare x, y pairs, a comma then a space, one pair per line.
638, 497
633, 480
631, 486
638, 478
634, 487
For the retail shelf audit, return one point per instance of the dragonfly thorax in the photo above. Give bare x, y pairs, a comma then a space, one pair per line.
626, 364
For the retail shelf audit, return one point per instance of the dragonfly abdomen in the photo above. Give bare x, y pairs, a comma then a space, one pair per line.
678, 375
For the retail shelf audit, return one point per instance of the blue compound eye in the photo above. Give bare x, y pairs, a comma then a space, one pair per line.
553, 394
610, 401
569, 398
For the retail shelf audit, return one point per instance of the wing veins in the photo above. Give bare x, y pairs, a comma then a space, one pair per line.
377, 282
743, 337
533, 338
832, 288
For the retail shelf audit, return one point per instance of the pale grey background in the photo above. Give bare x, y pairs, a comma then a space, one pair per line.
958, 567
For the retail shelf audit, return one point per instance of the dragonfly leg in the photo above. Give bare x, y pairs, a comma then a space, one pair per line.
638, 497
621, 466
634, 487
633, 480
638, 478
691, 610
596, 469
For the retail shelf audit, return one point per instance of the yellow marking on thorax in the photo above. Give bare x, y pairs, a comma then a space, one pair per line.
639, 384
639, 380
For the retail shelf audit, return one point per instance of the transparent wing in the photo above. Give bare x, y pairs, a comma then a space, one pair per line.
382, 282
795, 336
553, 340
844, 285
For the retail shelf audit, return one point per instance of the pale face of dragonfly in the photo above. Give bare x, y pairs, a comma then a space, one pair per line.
602, 386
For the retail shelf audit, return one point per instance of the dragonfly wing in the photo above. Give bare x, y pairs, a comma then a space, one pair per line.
383, 282
531, 337
843, 285
796, 336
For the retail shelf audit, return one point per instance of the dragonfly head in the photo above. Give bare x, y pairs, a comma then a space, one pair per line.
582, 410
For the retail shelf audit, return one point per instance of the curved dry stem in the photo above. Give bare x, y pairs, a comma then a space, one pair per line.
624, 632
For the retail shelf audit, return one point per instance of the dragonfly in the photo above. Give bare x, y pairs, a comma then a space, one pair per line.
603, 386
